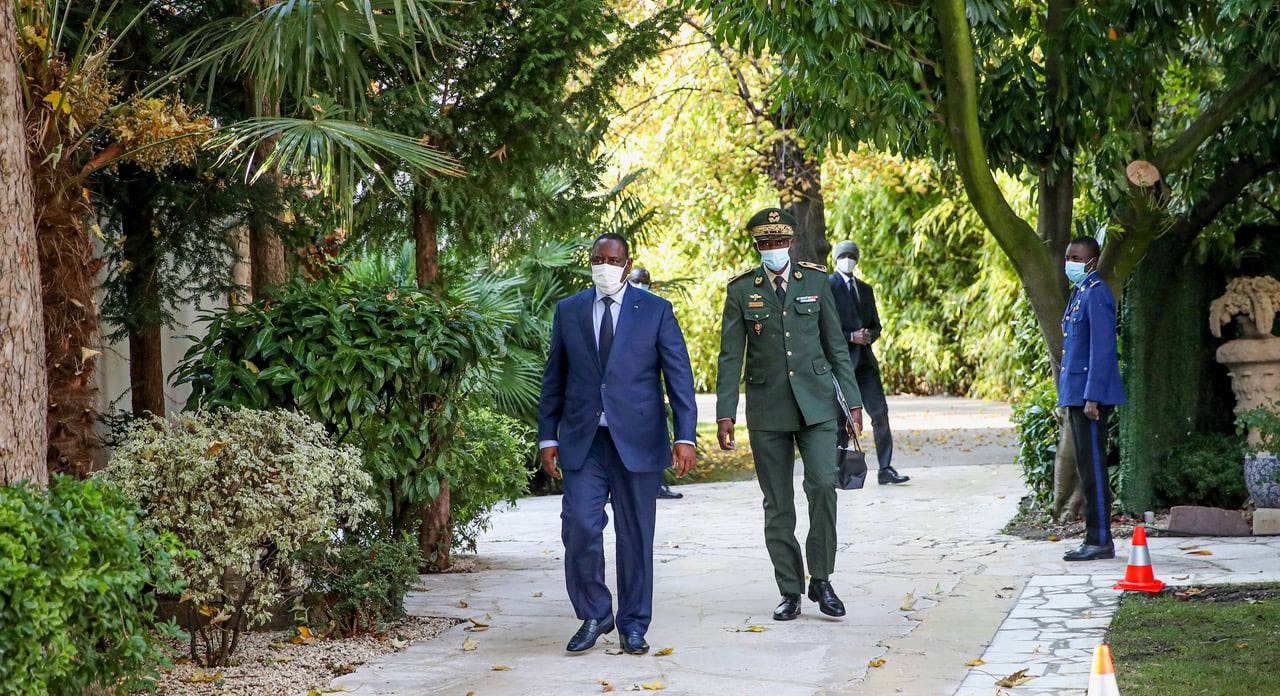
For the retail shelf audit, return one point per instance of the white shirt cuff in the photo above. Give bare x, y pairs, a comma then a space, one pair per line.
548, 443
686, 442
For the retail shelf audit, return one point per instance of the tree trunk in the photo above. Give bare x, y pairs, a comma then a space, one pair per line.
811, 242
266, 250
241, 269
435, 536
23, 438
142, 253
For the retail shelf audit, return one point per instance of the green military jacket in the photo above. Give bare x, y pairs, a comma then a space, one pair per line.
792, 349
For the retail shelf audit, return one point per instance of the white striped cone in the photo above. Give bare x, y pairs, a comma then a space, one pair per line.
1102, 680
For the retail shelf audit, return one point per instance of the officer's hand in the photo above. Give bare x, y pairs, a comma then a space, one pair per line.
682, 459
725, 435
1091, 410
855, 416
862, 337
550, 457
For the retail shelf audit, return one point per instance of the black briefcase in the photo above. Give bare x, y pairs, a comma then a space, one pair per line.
853, 466
853, 461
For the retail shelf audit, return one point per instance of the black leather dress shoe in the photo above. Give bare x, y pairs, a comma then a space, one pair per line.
1091, 552
664, 491
633, 643
586, 637
788, 608
821, 592
890, 475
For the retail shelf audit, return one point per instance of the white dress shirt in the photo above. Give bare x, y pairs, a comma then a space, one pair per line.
597, 316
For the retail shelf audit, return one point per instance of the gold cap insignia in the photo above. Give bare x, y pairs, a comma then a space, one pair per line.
774, 216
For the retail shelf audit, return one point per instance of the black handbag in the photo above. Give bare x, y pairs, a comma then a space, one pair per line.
853, 461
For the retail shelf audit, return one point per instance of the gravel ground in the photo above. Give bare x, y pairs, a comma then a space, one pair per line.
268, 664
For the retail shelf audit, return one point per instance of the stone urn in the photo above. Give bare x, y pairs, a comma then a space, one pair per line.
1253, 360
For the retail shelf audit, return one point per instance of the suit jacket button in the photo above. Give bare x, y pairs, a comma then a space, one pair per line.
791, 372
788, 334
788, 353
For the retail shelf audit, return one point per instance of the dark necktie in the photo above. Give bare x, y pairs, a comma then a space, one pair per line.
782, 292
853, 290
606, 332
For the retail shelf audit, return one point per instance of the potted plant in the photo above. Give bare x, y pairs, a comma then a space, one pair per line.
1261, 465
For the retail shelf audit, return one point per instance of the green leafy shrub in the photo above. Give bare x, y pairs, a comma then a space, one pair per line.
246, 490
78, 583
1206, 470
488, 468
1036, 421
383, 368
361, 583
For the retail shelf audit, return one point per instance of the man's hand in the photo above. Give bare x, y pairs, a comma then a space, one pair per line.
550, 457
861, 337
725, 435
682, 459
1091, 410
855, 417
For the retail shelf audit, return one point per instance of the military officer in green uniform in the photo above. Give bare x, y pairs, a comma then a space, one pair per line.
782, 314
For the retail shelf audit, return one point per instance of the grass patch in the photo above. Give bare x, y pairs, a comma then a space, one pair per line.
1211, 642
715, 465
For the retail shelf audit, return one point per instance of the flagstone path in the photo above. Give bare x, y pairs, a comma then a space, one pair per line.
923, 569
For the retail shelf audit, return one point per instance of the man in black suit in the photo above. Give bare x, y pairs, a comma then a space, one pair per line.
861, 324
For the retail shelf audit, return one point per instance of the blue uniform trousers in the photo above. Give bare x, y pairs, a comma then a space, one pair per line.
633, 496
1091, 465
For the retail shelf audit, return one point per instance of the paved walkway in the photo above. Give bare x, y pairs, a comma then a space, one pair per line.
926, 575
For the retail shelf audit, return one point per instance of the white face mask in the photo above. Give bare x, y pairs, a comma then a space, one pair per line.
608, 279
846, 265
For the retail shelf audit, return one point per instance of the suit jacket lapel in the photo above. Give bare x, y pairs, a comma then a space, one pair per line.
587, 324
766, 288
633, 302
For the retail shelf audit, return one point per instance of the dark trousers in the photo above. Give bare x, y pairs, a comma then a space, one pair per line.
1091, 464
775, 459
633, 496
877, 409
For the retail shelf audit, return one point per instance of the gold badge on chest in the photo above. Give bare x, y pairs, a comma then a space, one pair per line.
759, 280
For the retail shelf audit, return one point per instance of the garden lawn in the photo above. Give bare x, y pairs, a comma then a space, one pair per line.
1217, 642
715, 465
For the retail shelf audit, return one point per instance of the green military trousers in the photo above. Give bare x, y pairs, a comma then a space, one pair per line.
774, 453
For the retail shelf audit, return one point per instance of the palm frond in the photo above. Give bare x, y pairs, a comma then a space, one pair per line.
330, 153
295, 48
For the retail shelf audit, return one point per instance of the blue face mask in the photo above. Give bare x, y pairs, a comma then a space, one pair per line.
775, 259
1076, 272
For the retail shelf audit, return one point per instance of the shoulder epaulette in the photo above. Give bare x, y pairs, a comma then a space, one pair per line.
741, 275
814, 266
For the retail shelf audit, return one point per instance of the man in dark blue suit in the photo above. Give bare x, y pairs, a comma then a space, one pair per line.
1089, 387
602, 419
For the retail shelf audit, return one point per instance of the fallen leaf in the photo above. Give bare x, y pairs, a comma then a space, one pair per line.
215, 447
202, 677
605, 686
476, 626
501, 668
537, 594
664, 651
304, 637
1188, 547
654, 686
1241, 646
976, 663
1016, 679
462, 604
878, 662
908, 602
1201, 552
470, 644
1052, 537
613, 651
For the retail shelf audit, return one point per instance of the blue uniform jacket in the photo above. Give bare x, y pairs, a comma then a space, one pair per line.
1090, 364
648, 353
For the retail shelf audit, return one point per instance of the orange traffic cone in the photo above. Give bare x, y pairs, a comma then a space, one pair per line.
1102, 680
1139, 576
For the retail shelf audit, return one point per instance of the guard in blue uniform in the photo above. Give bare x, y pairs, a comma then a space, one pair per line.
1089, 388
